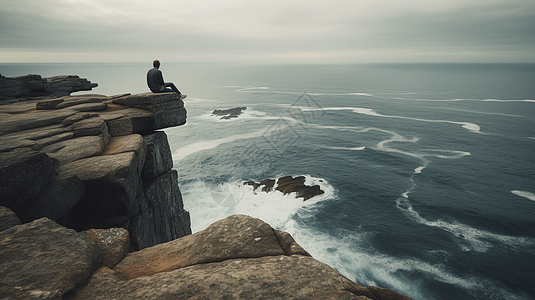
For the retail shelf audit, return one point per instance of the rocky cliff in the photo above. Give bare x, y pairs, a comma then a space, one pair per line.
90, 208
92, 161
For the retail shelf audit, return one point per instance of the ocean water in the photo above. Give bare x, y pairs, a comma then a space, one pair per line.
428, 169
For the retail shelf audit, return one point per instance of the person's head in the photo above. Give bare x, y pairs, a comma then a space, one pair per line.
156, 64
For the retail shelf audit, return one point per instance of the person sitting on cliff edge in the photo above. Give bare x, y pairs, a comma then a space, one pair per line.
156, 83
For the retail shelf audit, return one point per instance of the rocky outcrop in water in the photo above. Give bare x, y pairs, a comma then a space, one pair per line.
92, 161
237, 257
288, 185
230, 113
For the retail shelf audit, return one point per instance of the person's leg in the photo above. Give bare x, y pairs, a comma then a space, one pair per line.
172, 86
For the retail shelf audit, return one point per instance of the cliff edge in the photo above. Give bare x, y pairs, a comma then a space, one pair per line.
90, 208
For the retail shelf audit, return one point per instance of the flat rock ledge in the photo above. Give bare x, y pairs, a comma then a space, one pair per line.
239, 257
94, 161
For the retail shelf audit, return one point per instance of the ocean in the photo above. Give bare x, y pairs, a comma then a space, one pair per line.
428, 169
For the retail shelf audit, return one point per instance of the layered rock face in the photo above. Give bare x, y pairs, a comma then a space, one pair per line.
30, 86
235, 258
93, 161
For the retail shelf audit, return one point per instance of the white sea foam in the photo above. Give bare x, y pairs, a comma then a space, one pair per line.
468, 238
527, 195
367, 111
274, 207
419, 170
345, 148
189, 149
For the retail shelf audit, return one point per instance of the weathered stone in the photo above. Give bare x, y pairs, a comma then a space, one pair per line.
167, 108
54, 201
236, 236
41, 118
127, 120
23, 173
75, 149
89, 107
289, 245
147, 99
158, 159
35, 86
91, 126
78, 117
162, 217
250, 265
82, 99
8, 218
44, 260
271, 277
126, 143
48, 104
113, 244
112, 188
169, 118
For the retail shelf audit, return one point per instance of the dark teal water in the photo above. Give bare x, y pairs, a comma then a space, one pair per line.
429, 169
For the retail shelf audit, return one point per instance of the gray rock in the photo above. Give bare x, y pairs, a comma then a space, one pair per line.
127, 120
162, 217
89, 107
75, 149
113, 187
236, 236
23, 173
77, 100
41, 118
167, 108
34, 86
53, 201
8, 218
91, 126
78, 117
236, 258
159, 159
127, 143
113, 244
48, 103
42, 260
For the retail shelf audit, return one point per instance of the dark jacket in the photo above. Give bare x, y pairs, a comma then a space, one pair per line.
155, 80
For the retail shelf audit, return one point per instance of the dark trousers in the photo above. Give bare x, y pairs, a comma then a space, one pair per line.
170, 87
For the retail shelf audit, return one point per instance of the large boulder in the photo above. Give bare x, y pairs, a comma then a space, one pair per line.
113, 244
43, 260
23, 173
239, 257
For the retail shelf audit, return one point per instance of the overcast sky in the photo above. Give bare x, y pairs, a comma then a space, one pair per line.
278, 31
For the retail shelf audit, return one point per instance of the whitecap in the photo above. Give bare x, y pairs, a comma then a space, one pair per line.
524, 194
468, 238
189, 149
419, 170
368, 111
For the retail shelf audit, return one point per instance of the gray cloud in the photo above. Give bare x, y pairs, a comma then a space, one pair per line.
300, 31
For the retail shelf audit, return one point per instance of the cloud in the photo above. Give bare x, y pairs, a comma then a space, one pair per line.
288, 31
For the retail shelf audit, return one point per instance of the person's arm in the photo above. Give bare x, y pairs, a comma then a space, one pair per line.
160, 78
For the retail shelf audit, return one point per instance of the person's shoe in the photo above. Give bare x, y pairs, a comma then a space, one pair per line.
182, 96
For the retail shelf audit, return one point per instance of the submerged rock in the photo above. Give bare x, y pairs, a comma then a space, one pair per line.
228, 113
287, 185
